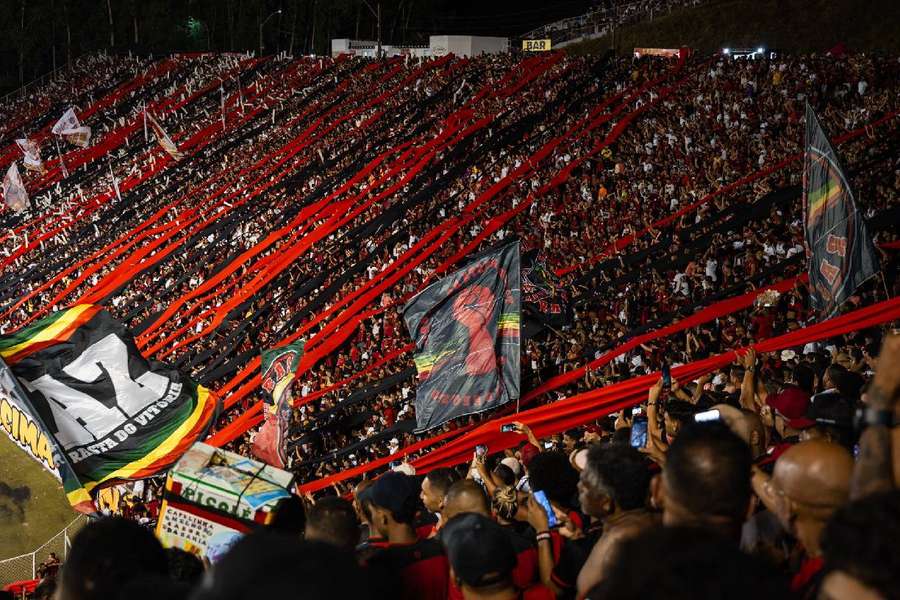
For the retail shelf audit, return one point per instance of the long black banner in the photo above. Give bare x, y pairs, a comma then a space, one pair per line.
842, 255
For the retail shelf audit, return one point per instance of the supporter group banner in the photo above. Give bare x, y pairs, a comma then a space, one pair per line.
466, 332
278, 368
841, 253
22, 425
112, 414
543, 296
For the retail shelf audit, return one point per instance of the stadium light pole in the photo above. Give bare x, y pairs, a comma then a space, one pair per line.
377, 14
261, 25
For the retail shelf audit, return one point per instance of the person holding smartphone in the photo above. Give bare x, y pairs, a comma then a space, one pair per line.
563, 536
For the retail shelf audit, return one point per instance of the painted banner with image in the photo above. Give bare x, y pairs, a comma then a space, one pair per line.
112, 413
544, 297
841, 252
278, 366
466, 328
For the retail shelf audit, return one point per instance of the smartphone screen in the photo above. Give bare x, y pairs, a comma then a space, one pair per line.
480, 450
639, 433
667, 376
394, 464
507, 428
707, 416
541, 498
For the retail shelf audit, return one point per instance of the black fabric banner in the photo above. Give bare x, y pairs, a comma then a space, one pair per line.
842, 255
466, 330
543, 297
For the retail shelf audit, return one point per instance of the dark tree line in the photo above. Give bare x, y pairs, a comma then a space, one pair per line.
37, 36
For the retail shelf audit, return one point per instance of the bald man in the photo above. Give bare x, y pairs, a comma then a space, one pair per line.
465, 496
810, 482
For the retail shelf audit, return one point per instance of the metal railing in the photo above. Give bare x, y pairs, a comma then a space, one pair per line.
25, 566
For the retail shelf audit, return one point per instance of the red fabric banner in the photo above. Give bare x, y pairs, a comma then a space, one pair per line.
583, 408
451, 226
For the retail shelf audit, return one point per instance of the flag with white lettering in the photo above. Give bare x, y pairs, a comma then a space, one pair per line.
278, 368
14, 193
841, 252
113, 414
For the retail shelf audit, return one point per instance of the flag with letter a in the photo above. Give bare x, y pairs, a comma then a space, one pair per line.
466, 329
840, 249
112, 414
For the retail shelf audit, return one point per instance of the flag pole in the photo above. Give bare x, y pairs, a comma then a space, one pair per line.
887, 294
61, 161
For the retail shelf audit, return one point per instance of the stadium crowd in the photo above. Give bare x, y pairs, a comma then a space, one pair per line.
306, 184
764, 498
722, 251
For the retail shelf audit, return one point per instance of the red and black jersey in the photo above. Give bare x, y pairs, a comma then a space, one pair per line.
410, 571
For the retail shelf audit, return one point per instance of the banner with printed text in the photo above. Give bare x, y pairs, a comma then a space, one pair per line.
113, 414
466, 329
841, 253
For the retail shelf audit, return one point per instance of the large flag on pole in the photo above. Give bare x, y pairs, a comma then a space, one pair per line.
164, 140
466, 330
70, 128
112, 414
32, 153
67, 122
278, 368
14, 193
840, 249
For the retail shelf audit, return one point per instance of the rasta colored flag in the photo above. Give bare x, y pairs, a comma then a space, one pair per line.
840, 249
542, 295
466, 330
278, 368
108, 413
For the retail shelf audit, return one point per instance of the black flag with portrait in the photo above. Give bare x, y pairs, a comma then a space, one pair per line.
466, 330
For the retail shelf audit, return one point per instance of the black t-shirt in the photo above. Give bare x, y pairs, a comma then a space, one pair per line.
570, 557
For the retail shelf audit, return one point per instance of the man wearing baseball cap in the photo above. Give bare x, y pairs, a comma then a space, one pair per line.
403, 566
482, 560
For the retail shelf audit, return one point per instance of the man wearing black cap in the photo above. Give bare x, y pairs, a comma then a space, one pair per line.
404, 566
482, 560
